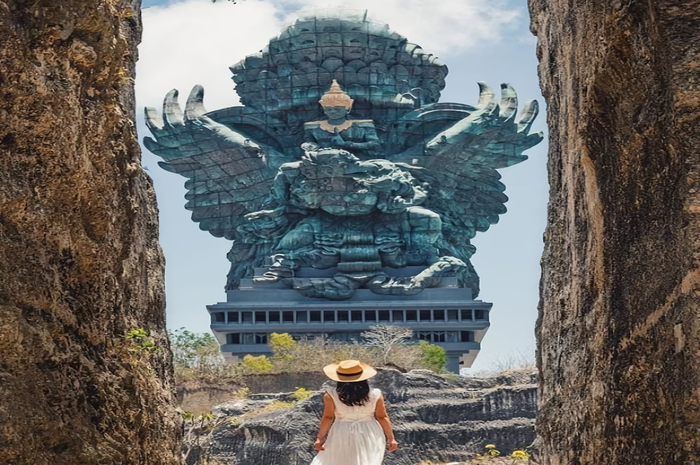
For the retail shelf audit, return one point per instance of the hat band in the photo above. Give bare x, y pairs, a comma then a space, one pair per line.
349, 374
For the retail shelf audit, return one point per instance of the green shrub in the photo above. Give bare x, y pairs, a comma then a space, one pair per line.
433, 357
278, 404
259, 364
282, 346
243, 393
302, 394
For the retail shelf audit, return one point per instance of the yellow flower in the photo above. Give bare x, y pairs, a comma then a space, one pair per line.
490, 446
520, 454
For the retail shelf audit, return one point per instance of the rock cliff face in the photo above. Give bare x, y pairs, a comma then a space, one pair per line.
80, 263
433, 418
619, 346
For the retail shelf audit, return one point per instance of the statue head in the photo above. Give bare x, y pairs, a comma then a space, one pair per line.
336, 103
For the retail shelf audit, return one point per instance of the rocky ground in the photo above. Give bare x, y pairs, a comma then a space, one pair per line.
436, 420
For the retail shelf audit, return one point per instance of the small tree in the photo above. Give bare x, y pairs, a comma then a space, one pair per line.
189, 347
386, 338
282, 345
434, 357
259, 364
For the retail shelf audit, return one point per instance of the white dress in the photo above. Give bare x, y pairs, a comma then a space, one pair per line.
355, 438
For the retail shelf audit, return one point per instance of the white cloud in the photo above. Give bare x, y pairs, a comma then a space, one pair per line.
441, 27
194, 41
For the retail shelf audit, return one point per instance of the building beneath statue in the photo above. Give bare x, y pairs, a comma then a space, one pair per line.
445, 316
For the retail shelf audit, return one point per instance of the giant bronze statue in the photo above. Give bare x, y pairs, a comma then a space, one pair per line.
342, 159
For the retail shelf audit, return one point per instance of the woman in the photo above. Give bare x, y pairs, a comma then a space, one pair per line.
357, 436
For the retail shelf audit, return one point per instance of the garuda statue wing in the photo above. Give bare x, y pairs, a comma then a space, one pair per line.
463, 147
228, 174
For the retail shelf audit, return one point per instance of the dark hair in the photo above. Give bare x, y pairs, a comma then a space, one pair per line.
356, 393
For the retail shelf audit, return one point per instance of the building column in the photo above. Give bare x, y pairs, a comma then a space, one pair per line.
453, 362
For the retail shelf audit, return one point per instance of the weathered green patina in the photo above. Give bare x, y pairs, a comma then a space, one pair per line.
387, 178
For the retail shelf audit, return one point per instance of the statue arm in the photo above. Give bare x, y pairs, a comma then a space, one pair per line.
370, 141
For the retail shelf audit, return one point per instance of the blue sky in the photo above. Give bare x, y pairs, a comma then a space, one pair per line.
195, 41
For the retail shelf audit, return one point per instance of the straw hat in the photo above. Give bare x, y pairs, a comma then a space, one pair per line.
349, 371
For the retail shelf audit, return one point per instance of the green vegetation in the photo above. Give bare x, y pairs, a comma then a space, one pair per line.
197, 432
139, 337
278, 404
282, 346
491, 455
197, 357
138, 333
243, 393
433, 357
253, 365
302, 394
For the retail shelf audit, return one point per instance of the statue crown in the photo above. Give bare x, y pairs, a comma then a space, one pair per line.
336, 97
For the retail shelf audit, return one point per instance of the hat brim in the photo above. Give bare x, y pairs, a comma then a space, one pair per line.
332, 373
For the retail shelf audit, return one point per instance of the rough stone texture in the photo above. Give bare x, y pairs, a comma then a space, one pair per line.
79, 259
202, 398
618, 328
434, 419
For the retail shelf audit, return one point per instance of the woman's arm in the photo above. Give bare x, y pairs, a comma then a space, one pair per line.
383, 419
326, 421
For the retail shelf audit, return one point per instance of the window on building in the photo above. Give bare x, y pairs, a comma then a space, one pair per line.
452, 315
411, 315
301, 317
328, 316
467, 336
466, 315
370, 315
425, 336
439, 336
342, 316
315, 316
218, 317
274, 317
354, 337
383, 315
260, 317
233, 338
439, 315
480, 315
356, 315
296, 337
233, 317
453, 336
288, 317
424, 315
261, 338
397, 316
247, 317
247, 338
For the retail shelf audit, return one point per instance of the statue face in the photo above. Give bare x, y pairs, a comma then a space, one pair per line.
335, 113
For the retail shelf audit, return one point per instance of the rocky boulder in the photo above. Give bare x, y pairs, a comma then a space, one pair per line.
434, 418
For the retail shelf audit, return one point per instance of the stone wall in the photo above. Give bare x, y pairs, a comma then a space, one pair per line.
618, 340
80, 263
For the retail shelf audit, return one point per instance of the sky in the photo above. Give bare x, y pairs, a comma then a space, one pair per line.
192, 42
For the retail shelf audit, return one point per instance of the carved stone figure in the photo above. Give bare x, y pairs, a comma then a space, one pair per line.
338, 131
390, 179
